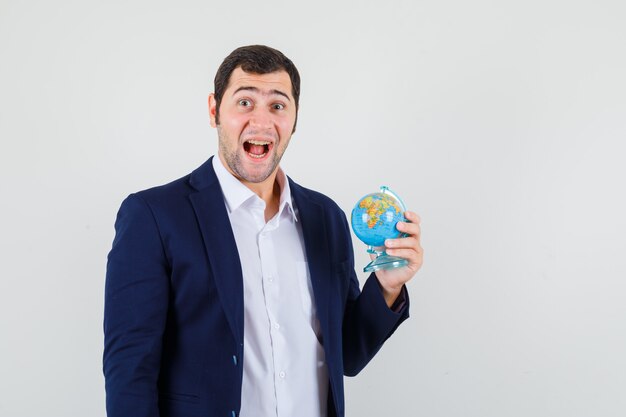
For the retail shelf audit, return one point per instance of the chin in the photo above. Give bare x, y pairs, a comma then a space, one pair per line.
256, 177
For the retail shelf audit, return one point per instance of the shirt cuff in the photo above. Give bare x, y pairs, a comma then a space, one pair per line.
400, 302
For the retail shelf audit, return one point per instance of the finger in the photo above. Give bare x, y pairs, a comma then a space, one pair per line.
402, 243
409, 228
412, 217
414, 257
417, 249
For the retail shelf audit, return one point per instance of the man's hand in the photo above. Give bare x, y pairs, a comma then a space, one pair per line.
409, 248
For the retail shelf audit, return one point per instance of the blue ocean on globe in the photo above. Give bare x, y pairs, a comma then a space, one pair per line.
374, 218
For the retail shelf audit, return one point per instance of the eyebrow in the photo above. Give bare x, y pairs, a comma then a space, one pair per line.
256, 90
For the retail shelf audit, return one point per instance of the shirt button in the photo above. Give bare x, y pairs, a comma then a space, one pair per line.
282, 374
276, 326
270, 278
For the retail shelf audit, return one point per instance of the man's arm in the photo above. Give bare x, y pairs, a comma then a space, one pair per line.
135, 312
368, 319
373, 314
368, 322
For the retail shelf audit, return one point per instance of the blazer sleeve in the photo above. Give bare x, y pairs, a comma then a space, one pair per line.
135, 312
368, 321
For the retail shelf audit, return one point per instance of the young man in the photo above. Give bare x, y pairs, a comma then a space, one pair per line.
232, 291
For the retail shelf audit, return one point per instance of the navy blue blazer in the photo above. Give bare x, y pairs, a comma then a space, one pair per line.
174, 314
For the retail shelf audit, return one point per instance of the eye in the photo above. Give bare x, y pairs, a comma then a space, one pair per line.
244, 102
278, 106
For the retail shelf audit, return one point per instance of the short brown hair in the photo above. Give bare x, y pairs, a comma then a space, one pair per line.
255, 59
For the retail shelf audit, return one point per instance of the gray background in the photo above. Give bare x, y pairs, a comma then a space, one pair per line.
501, 123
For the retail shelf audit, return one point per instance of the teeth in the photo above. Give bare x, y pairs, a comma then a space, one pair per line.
257, 156
258, 142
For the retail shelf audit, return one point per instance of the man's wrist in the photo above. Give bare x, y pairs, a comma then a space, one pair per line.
391, 295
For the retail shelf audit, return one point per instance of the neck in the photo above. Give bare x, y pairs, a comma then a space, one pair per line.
268, 190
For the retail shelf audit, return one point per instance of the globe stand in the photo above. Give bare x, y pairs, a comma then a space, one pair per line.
383, 261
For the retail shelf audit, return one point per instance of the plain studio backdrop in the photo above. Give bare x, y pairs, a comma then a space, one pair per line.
502, 123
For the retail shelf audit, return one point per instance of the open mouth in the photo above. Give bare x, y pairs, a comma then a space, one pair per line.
257, 149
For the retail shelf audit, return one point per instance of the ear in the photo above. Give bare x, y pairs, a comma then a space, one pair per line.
212, 109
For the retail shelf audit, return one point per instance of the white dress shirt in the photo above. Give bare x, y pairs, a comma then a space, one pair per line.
284, 368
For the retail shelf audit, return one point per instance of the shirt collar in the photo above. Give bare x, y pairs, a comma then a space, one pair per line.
235, 193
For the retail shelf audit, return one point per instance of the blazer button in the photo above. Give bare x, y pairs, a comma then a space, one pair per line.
235, 360
232, 413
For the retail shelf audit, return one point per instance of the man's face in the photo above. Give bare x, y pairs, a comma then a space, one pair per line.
257, 115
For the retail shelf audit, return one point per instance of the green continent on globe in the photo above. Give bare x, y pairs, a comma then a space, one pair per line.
375, 206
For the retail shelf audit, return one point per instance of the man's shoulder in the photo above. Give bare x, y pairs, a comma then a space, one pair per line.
313, 196
179, 188
172, 189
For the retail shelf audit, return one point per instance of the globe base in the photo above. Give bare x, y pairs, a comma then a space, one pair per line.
385, 261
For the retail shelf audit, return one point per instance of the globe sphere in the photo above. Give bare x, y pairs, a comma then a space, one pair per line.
375, 216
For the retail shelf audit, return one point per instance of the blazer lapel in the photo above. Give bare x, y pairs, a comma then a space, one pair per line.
219, 243
311, 214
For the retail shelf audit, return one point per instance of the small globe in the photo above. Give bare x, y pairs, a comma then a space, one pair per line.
375, 216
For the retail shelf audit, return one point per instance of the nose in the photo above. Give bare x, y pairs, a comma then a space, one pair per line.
261, 119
